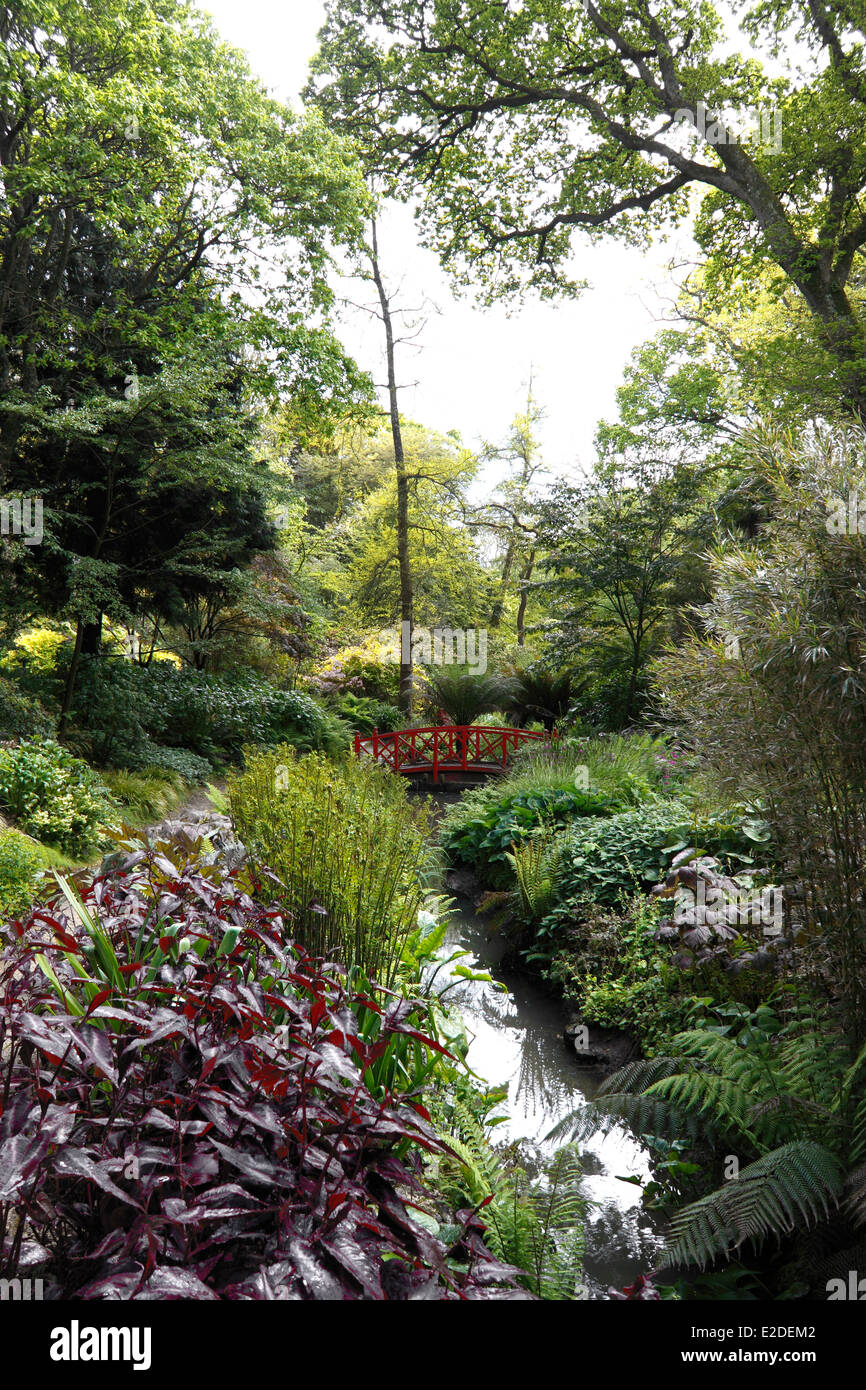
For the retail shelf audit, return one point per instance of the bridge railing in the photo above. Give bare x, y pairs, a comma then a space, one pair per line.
441, 747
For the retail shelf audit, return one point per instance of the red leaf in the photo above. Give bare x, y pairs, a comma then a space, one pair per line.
98, 999
68, 941
428, 1042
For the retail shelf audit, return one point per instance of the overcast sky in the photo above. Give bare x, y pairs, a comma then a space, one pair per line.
474, 363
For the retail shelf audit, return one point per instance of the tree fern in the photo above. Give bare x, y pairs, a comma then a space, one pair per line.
629, 1097
774, 1098
797, 1183
855, 1195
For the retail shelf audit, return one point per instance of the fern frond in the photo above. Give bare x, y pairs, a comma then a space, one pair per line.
795, 1184
810, 1066
858, 1131
638, 1075
855, 1195
723, 1102
536, 862
647, 1114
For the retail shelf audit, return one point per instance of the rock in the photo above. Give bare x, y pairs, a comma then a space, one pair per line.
606, 1049
463, 881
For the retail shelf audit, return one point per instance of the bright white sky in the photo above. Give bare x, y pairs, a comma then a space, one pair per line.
473, 364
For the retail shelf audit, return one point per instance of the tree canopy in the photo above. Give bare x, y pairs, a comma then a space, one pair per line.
516, 121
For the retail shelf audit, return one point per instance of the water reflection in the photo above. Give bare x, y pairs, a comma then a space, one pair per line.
516, 1042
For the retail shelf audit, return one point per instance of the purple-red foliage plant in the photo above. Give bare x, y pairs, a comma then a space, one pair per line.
185, 1108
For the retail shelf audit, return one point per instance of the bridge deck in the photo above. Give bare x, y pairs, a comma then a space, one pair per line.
446, 750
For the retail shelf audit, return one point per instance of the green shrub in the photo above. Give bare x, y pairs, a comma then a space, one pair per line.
370, 668
21, 715
784, 721
125, 709
191, 768
482, 828
374, 668
39, 650
20, 862
609, 966
347, 846
552, 784
607, 859
53, 796
203, 712
364, 715
603, 700
113, 709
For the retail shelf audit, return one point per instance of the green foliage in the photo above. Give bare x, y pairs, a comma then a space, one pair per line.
187, 766
791, 1099
536, 1226
37, 650
364, 715
482, 828
415, 98
612, 971
603, 701
347, 849
115, 710
615, 548
605, 859
20, 863
537, 693
768, 692
54, 796
626, 768
369, 668
462, 693
124, 710
553, 784
793, 1186
147, 796
450, 586
536, 865
21, 715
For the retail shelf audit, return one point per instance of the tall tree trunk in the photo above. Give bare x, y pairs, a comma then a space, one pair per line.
406, 590
88, 640
91, 639
499, 601
632, 684
521, 608
71, 676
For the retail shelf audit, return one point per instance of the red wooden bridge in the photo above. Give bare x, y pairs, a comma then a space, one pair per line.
446, 752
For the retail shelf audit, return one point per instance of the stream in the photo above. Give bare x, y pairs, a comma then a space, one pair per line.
516, 1040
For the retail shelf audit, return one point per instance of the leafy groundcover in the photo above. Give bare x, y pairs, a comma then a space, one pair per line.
188, 1108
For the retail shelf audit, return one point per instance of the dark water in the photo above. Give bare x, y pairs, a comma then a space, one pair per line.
516, 1040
